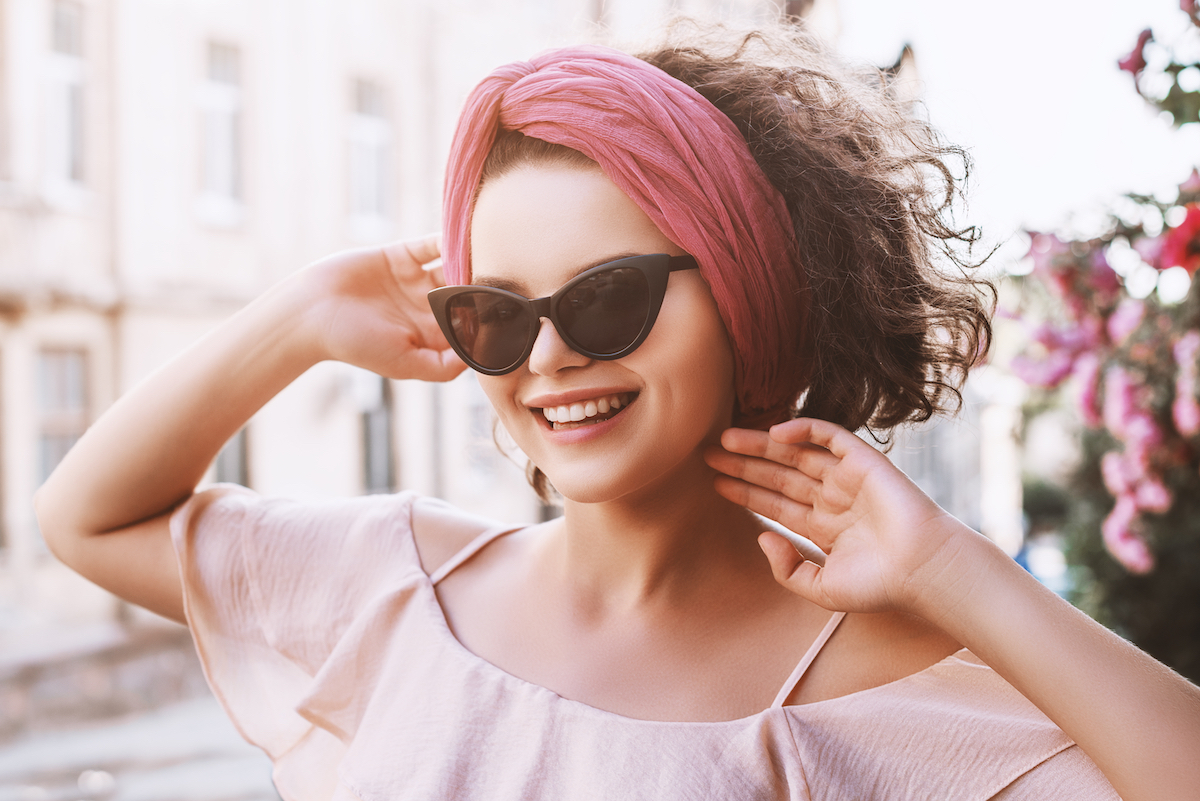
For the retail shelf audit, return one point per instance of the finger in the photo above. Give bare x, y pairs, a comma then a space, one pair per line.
792, 513
427, 364
767, 474
406, 258
425, 249
791, 569
811, 459
823, 433
438, 275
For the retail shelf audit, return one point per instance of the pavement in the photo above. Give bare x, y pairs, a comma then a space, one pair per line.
187, 751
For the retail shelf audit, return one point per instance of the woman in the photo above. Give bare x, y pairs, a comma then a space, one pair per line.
711, 238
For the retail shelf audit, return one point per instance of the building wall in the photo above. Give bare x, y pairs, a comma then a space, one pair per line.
139, 245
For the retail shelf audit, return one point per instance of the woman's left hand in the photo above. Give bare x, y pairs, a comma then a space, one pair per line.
888, 545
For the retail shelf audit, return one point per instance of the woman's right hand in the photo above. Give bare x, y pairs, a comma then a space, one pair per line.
105, 509
368, 308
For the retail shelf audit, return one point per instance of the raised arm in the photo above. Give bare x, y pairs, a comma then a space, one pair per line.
104, 510
892, 548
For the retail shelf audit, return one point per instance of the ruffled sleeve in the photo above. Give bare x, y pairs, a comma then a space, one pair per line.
955, 730
270, 587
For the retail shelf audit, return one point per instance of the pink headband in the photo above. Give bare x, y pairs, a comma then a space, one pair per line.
686, 166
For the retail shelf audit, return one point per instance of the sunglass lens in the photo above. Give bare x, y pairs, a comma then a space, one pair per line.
605, 313
491, 329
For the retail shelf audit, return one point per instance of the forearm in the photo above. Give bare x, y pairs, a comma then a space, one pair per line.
1138, 720
149, 450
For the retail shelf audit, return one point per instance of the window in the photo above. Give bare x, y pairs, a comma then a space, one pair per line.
66, 97
379, 474
233, 464
220, 102
370, 158
62, 395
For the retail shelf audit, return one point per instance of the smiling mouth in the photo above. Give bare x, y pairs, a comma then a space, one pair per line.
586, 413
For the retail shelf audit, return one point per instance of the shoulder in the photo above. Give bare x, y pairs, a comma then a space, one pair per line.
869, 651
359, 527
440, 530
955, 729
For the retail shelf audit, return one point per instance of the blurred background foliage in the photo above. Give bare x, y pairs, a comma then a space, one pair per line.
1114, 332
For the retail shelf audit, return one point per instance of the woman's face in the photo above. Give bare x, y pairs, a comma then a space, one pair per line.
535, 228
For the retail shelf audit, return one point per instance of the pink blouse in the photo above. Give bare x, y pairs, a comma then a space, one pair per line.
322, 636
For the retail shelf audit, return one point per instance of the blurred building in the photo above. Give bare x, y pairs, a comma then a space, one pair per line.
161, 164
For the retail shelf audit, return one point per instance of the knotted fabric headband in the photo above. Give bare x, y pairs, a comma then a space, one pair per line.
687, 167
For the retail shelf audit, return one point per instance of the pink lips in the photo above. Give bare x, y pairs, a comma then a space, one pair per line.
574, 396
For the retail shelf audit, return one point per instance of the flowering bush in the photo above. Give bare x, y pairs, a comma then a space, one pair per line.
1128, 358
1133, 361
1162, 76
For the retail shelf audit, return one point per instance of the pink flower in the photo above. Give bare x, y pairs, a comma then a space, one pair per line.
1087, 373
1074, 339
1186, 349
1103, 278
1046, 373
1142, 436
1185, 409
1135, 62
1192, 184
1120, 475
1125, 319
1152, 495
1046, 251
1181, 245
1185, 412
1062, 345
1118, 400
1149, 248
1122, 541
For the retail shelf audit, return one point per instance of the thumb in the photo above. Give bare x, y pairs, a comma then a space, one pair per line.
790, 568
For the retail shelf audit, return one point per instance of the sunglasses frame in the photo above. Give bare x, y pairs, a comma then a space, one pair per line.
655, 267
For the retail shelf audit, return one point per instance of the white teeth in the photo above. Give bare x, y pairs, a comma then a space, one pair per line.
577, 412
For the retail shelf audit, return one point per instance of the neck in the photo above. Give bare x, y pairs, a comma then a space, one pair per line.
661, 547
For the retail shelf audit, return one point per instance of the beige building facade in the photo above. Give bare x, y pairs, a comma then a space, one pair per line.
162, 162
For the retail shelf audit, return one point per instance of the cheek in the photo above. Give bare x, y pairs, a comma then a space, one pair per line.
699, 356
500, 393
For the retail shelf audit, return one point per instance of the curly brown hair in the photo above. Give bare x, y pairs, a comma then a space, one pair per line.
897, 318
896, 315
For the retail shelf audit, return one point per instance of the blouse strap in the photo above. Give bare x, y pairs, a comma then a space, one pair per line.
473, 547
808, 658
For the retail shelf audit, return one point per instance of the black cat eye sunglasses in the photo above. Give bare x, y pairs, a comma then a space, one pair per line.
603, 313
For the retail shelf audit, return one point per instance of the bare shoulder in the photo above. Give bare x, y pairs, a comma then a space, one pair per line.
872, 650
442, 530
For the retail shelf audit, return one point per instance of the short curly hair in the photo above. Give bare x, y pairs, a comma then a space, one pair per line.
897, 317
896, 314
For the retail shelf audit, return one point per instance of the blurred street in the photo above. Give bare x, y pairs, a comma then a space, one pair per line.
187, 750
117, 712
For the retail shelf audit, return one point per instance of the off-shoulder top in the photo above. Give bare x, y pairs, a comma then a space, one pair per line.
321, 635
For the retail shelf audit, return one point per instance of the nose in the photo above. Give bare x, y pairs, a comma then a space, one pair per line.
551, 354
